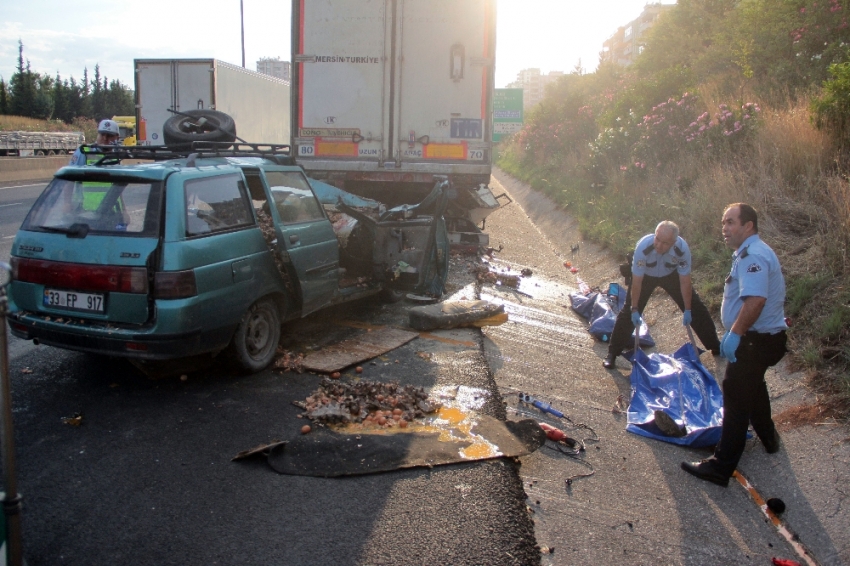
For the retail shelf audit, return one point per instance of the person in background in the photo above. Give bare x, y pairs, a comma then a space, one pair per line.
662, 259
754, 317
107, 134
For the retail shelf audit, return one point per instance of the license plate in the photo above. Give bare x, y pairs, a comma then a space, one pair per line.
90, 302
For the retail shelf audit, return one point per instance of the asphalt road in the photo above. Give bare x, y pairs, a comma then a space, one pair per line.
147, 476
16, 199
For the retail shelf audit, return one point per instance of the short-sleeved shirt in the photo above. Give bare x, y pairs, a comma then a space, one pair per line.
755, 273
85, 158
647, 261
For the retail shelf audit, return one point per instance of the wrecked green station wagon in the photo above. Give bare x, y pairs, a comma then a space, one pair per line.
157, 254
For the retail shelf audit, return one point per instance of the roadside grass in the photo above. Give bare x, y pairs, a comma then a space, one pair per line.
10, 123
788, 172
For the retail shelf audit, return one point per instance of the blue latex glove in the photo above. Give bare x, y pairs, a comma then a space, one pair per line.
730, 343
686, 318
636, 319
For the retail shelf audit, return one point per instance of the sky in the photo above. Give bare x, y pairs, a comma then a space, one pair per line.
67, 37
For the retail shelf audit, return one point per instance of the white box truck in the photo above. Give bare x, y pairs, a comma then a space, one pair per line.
389, 93
258, 103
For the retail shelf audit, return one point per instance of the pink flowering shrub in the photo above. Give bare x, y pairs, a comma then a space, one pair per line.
670, 129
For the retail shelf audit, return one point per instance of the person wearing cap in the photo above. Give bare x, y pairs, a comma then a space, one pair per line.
662, 259
753, 314
107, 134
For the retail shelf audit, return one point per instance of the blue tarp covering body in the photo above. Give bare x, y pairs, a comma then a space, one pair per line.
601, 310
662, 382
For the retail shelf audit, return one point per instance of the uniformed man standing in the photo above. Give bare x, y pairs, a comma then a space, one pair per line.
662, 259
753, 314
107, 134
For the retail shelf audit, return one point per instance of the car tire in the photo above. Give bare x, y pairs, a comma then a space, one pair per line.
254, 344
183, 128
388, 295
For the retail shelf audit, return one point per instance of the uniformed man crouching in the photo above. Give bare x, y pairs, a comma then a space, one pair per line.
662, 259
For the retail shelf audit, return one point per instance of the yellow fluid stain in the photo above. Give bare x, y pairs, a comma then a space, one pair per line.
451, 415
479, 450
429, 336
450, 423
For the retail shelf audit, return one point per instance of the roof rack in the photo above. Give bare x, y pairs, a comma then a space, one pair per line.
112, 155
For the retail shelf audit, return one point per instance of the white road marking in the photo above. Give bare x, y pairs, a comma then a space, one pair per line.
11, 204
22, 186
8, 237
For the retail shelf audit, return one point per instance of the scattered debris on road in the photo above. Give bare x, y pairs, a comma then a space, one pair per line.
371, 403
75, 420
287, 361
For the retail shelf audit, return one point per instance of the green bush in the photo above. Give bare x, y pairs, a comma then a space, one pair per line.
831, 111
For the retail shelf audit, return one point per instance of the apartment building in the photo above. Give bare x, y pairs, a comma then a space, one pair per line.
533, 84
275, 67
622, 47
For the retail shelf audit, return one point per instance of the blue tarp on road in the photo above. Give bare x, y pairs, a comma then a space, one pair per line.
680, 386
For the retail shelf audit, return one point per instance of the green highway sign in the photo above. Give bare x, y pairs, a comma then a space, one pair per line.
507, 112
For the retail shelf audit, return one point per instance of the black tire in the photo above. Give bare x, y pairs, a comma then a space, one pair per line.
388, 295
255, 341
39, 153
199, 125
51, 153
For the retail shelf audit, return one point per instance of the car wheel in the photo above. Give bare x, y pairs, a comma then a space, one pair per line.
255, 341
388, 295
199, 125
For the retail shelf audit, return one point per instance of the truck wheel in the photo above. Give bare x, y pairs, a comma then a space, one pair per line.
388, 295
199, 125
254, 343
39, 153
51, 153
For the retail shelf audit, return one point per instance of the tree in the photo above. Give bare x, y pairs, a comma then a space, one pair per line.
22, 87
4, 97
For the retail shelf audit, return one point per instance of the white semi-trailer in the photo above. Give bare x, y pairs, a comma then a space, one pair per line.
258, 103
388, 94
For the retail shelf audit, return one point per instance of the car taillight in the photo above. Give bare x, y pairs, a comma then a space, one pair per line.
80, 276
174, 284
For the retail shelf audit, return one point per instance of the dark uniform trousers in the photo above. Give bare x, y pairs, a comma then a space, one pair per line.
701, 323
745, 397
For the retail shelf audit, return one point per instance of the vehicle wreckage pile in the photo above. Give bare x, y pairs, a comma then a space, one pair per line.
382, 405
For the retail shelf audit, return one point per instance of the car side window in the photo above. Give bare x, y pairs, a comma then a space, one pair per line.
293, 197
216, 204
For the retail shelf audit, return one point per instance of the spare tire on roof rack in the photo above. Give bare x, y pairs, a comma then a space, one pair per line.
199, 125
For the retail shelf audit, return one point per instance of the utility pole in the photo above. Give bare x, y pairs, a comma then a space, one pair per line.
242, 24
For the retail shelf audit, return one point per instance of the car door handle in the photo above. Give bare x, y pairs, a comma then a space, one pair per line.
294, 239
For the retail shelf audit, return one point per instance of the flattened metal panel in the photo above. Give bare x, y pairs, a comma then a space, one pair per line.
364, 347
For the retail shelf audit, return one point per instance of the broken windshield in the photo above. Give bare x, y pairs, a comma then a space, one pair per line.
77, 208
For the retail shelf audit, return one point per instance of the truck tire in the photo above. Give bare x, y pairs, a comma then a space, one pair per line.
254, 344
389, 295
199, 125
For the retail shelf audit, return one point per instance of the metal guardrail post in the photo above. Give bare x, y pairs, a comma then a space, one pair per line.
11, 500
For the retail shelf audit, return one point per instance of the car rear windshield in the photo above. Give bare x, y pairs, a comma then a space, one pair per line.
106, 207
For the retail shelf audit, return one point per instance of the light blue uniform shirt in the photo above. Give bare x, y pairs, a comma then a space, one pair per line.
755, 273
648, 262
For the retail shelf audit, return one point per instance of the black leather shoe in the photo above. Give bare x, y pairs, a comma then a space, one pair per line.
609, 360
771, 445
705, 470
